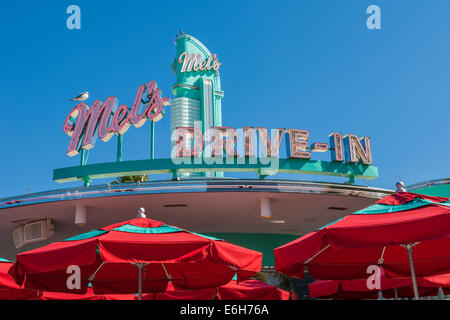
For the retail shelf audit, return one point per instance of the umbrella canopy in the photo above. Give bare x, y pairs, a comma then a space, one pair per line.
172, 294
333, 289
251, 290
376, 235
9, 289
113, 258
89, 295
390, 287
245, 290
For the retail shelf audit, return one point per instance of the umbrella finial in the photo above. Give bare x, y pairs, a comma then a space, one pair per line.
400, 187
141, 213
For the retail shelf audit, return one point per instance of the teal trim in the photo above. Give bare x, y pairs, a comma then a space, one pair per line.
330, 223
158, 230
4, 260
134, 229
383, 208
262, 167
205, 236
87, 235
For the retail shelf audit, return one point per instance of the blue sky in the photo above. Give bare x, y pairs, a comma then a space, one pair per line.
286, 64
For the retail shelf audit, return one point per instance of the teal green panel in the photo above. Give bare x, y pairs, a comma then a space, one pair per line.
262, 242
134, 229
159, 166
435, 191
383, 208
4, 260
87, 235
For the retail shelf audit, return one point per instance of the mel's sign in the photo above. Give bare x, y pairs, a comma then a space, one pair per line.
199, 143
106, 119
194, 62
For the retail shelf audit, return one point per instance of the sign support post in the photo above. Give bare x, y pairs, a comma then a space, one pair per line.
152, 140
119, 147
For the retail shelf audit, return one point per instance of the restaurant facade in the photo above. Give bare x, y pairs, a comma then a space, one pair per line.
260, 213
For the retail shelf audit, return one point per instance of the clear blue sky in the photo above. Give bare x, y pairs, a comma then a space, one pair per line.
290, 64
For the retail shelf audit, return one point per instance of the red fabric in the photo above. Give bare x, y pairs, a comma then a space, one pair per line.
345, 249
250, 290
172, 294
386, 283
57, 256
350, 295
332, 289
358, 289
245, 290
408, 292
442, 281
123, 278
199, 294
191, 261
323, 289
138, 222
89, 295
372, 230
399, 198
9, 289
289, 258
120, 297
430, 258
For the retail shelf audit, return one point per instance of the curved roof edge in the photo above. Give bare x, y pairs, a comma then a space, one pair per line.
435, 187
194, 185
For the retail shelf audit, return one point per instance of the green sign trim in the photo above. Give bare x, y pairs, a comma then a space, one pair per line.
164, 166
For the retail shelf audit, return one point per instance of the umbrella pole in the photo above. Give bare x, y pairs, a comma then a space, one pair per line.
395, 294
409, 249
140, 266
140, 280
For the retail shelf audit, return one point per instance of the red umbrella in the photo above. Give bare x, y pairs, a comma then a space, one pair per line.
9, 289
376, 235
250, 290
390, 287
332, 289
138, 255
172, 294
245, 290
89, 295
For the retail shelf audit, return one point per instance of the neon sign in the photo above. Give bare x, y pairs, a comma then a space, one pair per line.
220, 141
196, 63
106, 119
200, 145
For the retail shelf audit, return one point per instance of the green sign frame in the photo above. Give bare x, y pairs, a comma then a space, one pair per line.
163, 166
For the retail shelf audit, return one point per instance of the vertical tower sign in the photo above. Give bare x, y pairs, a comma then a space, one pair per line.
197, 92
